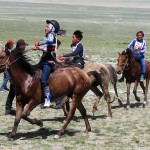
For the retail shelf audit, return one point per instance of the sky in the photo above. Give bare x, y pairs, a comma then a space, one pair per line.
106, 3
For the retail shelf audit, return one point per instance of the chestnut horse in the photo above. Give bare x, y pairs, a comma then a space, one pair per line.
101, 75
131, 68
70, 81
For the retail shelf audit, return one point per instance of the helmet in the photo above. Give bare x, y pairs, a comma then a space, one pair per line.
55, 24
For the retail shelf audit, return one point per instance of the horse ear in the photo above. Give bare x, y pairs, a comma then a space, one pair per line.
119, 53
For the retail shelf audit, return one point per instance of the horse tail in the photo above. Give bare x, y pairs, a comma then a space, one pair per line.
114, 79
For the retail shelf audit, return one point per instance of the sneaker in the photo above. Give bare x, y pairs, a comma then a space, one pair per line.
47, 103
10, 112
142, 78
1, 90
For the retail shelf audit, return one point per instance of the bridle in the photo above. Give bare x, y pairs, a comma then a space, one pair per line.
7, 63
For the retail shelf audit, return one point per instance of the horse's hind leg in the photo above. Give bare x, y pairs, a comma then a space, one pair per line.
99, 94
135, 91
128, 95
145, 94
82, 110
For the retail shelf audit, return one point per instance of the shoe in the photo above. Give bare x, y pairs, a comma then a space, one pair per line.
7, 89
142, 78
121, 80
10, 112
47, 103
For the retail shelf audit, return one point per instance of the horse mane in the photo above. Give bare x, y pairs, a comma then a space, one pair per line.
23, 60
127, 51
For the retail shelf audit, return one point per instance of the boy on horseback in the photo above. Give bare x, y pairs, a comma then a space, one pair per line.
138, 47
77, 50
48, 57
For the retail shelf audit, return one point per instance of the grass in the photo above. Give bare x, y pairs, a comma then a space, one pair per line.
106, 31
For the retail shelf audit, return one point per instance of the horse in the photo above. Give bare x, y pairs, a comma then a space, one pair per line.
70, 81
100, 75
131, 68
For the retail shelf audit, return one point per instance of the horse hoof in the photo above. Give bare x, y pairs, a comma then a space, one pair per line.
109, 118
40, 123
57, 136
10, 136
144, 104
127, 107
64, 121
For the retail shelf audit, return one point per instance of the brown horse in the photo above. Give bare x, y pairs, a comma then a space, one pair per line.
131, 68
100, 75
70, 81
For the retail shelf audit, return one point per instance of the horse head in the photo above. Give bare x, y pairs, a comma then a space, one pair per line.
122, 60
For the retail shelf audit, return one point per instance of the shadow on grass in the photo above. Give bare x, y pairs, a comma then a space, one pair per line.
75, 118
132, 105
42, 133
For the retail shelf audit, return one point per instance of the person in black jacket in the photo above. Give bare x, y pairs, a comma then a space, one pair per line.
21, 45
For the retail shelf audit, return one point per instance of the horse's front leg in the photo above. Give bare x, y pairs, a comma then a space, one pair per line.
29, 107
70, 115
19, 110
135, 91
128, 95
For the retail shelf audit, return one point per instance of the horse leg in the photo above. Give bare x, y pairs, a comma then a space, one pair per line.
108, 103
74, 103
82, 110
19, 110
65, 105
99, 94
145, 94
119, 101
29, 107
135, 91
128, 95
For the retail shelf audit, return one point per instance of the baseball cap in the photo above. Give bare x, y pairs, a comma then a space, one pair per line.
10, 42
21, 42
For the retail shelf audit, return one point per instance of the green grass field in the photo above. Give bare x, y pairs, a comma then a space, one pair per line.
106, 31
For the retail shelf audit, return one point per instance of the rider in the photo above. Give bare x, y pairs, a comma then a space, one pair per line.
77, 49
138, 46
48, 58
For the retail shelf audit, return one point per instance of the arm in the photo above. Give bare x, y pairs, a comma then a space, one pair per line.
131, 45
48, 40
143, 47
78, 49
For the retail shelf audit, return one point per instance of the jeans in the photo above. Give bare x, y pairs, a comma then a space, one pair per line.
140, 57
47, 69
6, 78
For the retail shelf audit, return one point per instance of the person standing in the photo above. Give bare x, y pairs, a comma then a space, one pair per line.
8, 47
20, 45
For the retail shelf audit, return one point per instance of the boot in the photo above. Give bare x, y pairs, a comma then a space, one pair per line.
122, 78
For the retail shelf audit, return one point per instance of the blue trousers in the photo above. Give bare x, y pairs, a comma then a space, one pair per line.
6, 78
45, 74
140, 57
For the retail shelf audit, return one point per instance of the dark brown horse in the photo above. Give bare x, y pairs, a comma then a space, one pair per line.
70, 81
131, 68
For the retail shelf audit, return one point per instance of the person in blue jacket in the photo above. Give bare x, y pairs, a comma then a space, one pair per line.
138, 46
77, 49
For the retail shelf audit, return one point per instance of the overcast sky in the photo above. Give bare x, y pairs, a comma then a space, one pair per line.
107, 3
